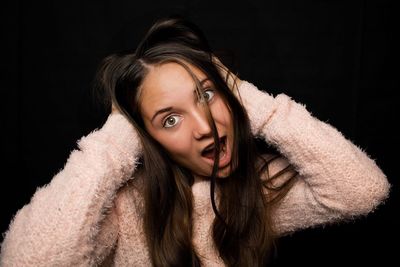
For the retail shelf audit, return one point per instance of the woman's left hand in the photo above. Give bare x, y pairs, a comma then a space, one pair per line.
230, 78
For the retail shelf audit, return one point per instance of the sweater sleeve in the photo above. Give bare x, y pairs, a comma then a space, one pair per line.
70, 221
336, 179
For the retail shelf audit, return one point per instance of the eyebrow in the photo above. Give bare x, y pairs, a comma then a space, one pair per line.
158, 112
167, 109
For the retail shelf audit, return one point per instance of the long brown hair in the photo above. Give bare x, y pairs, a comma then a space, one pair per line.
242, 229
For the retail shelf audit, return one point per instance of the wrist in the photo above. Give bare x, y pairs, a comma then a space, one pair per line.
259, 105
122, 133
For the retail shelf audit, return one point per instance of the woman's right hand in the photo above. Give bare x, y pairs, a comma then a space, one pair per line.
114, 109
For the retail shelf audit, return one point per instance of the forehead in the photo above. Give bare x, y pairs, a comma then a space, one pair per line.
167, 84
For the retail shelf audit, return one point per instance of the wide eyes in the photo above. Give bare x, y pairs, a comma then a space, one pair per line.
208, 94
171, 121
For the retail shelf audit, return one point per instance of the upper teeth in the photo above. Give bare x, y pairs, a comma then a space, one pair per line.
209, 149
212, 146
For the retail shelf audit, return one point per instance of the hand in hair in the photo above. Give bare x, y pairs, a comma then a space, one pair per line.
114, 109
231, 79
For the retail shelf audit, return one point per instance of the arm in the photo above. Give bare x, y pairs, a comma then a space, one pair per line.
337, 180
70, 222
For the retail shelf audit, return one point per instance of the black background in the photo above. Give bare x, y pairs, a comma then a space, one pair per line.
337, 57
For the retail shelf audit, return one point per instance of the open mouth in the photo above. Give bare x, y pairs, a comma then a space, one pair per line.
209, 151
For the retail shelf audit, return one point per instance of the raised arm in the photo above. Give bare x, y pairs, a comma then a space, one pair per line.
337, 180
69, 222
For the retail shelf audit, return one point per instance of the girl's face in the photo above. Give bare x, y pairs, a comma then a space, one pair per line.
174, 117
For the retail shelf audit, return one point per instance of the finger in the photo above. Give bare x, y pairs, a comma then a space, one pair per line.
114, 108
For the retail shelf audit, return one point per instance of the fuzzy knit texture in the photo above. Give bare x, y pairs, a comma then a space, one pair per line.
91, 213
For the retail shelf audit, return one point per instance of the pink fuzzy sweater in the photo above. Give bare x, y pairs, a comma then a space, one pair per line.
90, 214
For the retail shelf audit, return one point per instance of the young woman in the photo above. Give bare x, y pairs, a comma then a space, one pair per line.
193, 167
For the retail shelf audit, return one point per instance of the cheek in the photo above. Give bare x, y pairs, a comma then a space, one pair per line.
178, 148
176, 144
221, 114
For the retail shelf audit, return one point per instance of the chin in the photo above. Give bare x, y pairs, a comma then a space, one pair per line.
224, 173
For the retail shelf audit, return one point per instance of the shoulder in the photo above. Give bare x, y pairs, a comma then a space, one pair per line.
275, 169
130, 196
272, 163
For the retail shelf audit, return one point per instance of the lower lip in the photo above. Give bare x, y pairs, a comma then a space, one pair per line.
225, 157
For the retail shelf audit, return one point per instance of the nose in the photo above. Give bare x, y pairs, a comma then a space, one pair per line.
201, 127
